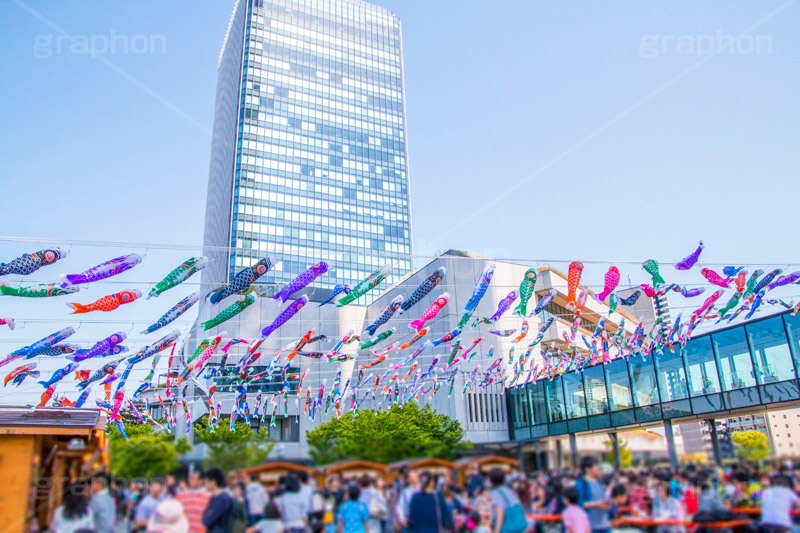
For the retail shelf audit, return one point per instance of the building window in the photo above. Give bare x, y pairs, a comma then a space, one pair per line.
574, 395
702, 367
617, 380
734, 360
671, 377
771, 351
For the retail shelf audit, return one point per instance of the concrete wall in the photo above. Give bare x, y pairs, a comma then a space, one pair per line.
784, 432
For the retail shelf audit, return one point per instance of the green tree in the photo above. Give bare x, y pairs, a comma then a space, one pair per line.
146, 453
625, 454
387, 436
751, 445
232, 450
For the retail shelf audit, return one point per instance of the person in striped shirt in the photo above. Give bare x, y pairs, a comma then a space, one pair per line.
194, 501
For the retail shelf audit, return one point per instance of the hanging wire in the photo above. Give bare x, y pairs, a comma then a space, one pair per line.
361, 358
390, 255
567, 318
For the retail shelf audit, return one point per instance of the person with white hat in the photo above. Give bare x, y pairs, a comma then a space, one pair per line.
168, 518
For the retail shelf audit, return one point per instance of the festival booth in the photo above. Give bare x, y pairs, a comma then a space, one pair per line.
485, 464
352, 469
42, 450
271, 471
431, 464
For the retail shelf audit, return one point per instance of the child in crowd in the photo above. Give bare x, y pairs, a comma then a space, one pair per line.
353, 514
475, 524
574, 517
619, 498
271, 523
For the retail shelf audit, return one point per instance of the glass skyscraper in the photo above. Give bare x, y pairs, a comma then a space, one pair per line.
309, 153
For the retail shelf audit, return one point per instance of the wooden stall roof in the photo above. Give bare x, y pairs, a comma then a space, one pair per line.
354, 464
422, 462
276, 465
50, 421
486, 459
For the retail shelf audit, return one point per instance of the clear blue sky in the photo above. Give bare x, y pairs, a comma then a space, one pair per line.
605, 131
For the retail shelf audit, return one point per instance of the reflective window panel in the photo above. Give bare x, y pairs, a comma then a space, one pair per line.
618, 383
671, 376
770, 351
735, 362
699, 357
574, 395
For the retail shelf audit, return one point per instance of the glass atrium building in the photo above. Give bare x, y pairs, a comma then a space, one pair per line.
309, 153
742, 369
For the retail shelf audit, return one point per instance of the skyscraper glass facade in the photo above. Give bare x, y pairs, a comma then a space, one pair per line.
309, 153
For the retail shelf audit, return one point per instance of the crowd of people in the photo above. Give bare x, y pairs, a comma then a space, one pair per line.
588, 500
591, 500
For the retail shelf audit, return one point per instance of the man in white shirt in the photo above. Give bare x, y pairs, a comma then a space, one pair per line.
776, 506
306, 489
375, 502
404, 499
256, 497
102, 504
293, 507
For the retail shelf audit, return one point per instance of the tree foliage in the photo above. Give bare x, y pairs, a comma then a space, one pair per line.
146, 453
232, 450
694, 457
751, 445
387, 436
625, 453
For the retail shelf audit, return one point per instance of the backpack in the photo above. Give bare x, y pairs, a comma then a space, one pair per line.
317, 503
378, 510
585, 491
514, 520
271, 510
